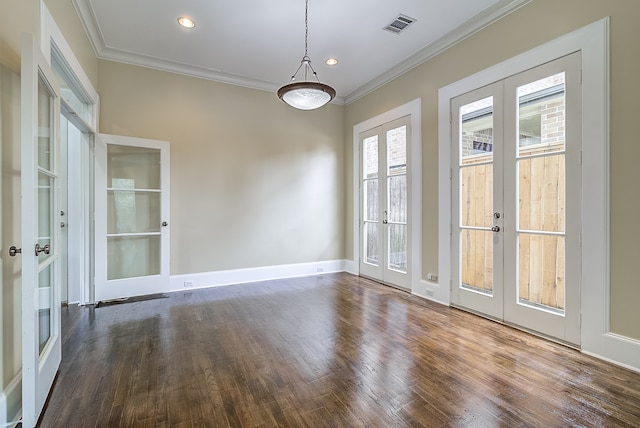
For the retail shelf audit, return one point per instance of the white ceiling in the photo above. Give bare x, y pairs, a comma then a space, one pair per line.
259, 43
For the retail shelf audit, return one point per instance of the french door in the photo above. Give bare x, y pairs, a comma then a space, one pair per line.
384, 203
40, 252
516, 187
132, 217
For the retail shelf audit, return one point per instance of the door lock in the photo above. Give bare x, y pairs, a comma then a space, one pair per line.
495, 229
496, 214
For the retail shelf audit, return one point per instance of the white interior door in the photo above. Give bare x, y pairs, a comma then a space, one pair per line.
41, 336
132, 217
516, 203
384, 203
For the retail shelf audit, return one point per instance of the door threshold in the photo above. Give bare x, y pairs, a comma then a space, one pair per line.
388, 284
520, 328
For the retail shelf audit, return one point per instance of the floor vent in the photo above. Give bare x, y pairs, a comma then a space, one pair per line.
399, 24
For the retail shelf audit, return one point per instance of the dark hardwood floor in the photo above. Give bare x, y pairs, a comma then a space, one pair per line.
329, 351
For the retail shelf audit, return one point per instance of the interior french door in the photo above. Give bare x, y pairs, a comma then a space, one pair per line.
384, 203
516, 200
41, 335
132, 217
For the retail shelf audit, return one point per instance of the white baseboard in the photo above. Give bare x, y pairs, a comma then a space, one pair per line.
11, 402
619, 350
266, 273
431, 291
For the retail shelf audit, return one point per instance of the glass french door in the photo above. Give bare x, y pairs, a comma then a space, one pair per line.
132, 217
41, 340
384, 203
516, 202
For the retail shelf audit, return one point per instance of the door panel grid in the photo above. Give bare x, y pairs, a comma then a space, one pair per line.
517, 182
384, 189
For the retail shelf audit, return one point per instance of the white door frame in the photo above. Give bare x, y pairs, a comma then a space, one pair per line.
81, 237
593, 43
414, 155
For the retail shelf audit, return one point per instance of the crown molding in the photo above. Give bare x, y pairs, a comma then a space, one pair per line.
470, 27
87, 16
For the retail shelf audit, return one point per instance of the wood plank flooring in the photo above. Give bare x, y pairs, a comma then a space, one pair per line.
329, 351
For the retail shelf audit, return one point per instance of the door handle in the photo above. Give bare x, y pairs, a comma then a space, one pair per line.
13, 251
165, 224
495, 229
46, 249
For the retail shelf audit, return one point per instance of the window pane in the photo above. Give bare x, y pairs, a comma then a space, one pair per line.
371, 249
45, 139
129, 257
398, 247
397, 189
371, 198
477, 260
397, 150
44, 311
541, 276
133, 167
370, 157
476, 193
541, 116
133, 212
476, 139
541, 193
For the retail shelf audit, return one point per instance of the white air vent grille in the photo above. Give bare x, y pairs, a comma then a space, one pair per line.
399, 24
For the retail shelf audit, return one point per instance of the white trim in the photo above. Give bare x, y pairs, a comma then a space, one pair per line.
11, 401
265, 273
593, 42
51, 33
414, 110
487, 17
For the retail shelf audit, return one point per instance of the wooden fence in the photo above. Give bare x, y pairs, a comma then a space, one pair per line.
541, 199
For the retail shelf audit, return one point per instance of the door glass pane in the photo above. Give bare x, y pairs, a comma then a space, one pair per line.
397, 190
476, 195
398, 247
45, 211
134, 256
541, 273
476, 262
133, 167
371, 248
541, 193
541, 116
133, 211
371, 198
397, 150
45, 300
370, 157
476, 139
45, 121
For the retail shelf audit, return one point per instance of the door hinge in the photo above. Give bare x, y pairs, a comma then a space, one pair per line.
450, 173
450, 117
580, 78
580, 158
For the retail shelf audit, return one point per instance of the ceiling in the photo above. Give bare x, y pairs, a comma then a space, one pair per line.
259, 43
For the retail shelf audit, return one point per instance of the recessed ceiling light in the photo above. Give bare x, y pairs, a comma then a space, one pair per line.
331, 61
186, 22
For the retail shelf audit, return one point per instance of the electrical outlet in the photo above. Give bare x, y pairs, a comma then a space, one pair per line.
188, 284
320, 269
432, 277
430, 293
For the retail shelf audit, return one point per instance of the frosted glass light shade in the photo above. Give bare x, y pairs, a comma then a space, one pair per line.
306, 95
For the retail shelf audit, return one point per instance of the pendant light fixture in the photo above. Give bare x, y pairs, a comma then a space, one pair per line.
307, 94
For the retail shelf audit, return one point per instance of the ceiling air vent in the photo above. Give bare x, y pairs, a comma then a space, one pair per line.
399, 24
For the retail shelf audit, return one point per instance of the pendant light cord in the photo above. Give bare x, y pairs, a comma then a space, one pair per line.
306, 61
306, 28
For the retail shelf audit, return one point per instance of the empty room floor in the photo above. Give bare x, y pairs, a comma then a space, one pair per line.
329, 351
